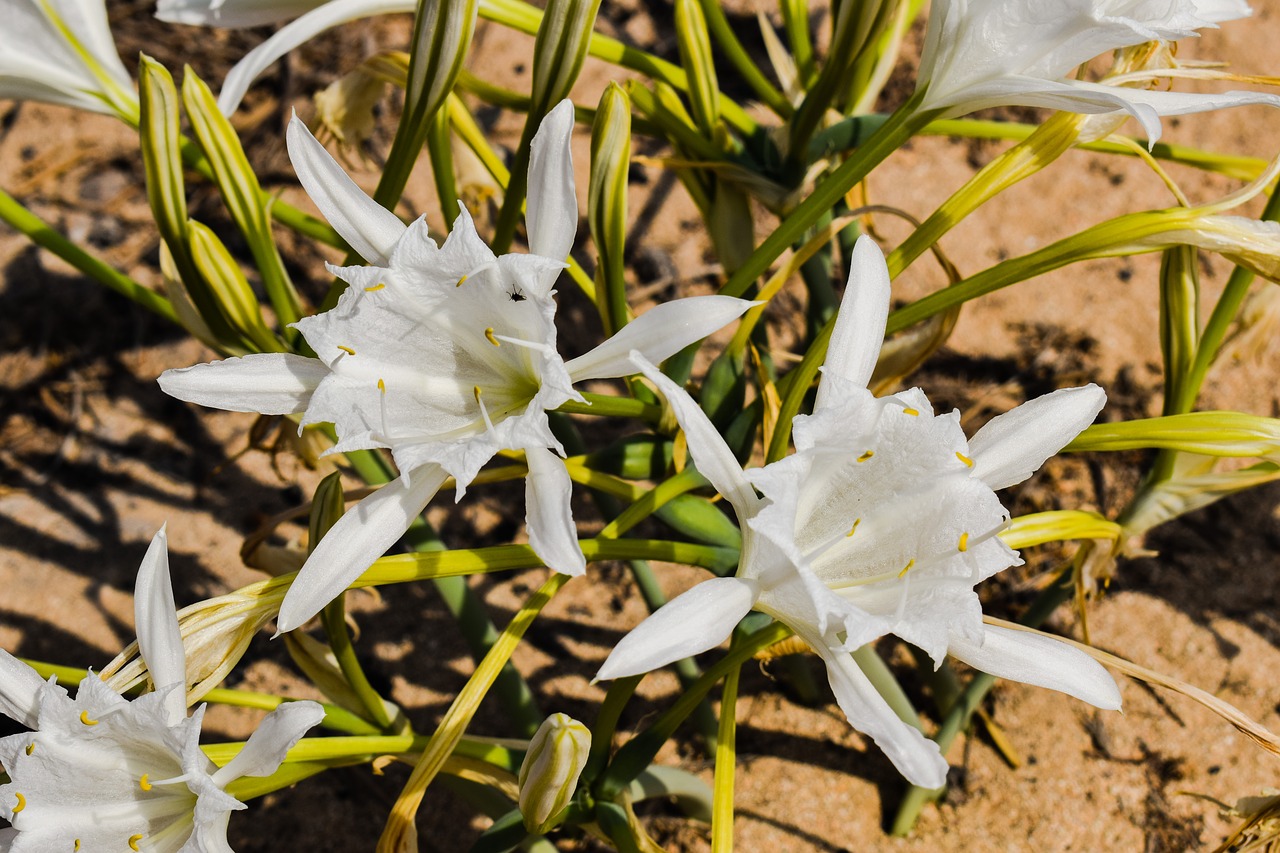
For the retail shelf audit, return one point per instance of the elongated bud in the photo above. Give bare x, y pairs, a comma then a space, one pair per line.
327, 506
1179, 318
559, 51
227, 284
695, 54
607, 201
549, 774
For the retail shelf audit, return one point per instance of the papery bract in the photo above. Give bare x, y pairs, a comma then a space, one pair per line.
443, 354
986, 53
99, 772
882, 522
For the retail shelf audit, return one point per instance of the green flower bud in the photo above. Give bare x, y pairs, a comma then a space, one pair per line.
549, 774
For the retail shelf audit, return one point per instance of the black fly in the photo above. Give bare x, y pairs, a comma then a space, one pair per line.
516, 295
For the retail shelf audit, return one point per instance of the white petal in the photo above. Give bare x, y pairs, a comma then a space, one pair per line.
231, 13
267, 383
1039, 660
658, 334
552, 216
859, 331
692, 622
548, 515
287, 38
156, 618
367, 226
19, 690
713, 457
361, 536
1012, 446
275, 736
917, 758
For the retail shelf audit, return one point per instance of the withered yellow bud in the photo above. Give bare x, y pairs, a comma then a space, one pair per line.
549, 773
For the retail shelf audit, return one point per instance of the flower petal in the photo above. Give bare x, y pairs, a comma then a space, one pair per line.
859, 330
552, 217
275, 736
287, 38
1039, 660
231, 13
19, 690
367, 226
1012, 446
711, 455
658, 334
696, 620
266, 383
361, 536
156, 618
917, 758
548, 515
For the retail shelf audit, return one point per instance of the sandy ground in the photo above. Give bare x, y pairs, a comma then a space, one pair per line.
93, 458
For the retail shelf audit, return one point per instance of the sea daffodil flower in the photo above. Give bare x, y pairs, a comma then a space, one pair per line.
986, 53
444, 354
99, 772
61, 52
882, 522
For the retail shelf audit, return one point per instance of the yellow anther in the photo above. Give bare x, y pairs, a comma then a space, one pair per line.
864, 457
77, 847
145, 782
965, 459
964, 541
133, 841
382, 386
460, 281
913, 412
375, 288
347, 350
854, 529
22, 802
84, 718
488, 333
906, 568
31, 747
475, 389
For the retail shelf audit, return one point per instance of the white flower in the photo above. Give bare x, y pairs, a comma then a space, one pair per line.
985, 53
100, 773
445, 355
882, 522
61, 52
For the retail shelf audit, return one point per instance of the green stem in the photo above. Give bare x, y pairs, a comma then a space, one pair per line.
718, 25
333, 617
883, 680
899, 127
42, 234
726, 753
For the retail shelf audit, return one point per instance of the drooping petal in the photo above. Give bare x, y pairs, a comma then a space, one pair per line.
296, 33
231, 13
367, 226
361, 536
156, 617
1039, 660
917, 758
658, 334
19, 690
274, 737
267, 383
552, 218
1012, 446
692, 622
548, 515
859, 330
713, 457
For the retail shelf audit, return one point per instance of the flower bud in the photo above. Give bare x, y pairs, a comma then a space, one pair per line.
549, 774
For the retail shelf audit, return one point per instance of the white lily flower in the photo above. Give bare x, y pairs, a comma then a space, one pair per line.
99, 772
986, 53
444, 354
61, 52
882, 522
